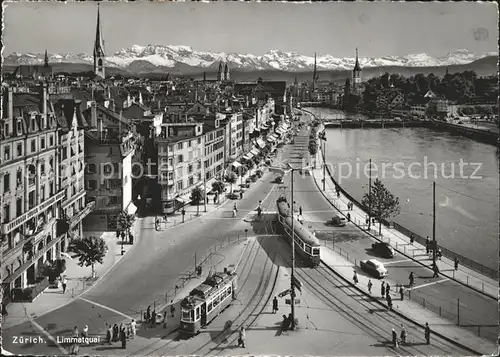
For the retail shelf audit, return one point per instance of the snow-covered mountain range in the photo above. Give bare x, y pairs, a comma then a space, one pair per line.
138, 58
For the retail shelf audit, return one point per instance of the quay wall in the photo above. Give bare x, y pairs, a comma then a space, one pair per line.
489, 272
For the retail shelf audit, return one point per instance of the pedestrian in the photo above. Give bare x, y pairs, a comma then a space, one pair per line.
153, 318
284, 323
74, 346
412, 239
172, 308
382, 289
389, 302
456, 263
394, 338
427, 333
4, 309
412, 279
348, 217
367, 220
116, 333
439, 254
165, 319
401, 292
355, 277
338, 194
427, 245
387, 289
215, 198
109, 334
275, 305
403, 334
133, 325
207, 200
64, 284
148, 314
242, 337
85, 331
300, 210
235, 208
234, 212
123, 338
370, 286
436, 271
241, 195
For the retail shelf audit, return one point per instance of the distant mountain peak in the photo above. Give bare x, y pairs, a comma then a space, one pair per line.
171, 56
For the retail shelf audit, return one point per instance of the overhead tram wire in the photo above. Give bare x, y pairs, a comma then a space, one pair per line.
466, 195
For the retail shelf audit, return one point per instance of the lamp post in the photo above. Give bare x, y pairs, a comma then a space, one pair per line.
246, 233
370, 196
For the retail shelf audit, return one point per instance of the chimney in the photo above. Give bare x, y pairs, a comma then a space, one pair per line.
93, 115
10, 104
44, 99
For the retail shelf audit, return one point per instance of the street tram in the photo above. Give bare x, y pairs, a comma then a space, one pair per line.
307, 245
207, 301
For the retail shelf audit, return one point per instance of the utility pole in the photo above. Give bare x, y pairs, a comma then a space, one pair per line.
204, 186
324, 163
370, 196
434, 243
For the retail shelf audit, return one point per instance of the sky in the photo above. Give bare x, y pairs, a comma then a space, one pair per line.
377, 29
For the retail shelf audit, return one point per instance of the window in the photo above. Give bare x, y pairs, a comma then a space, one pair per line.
179, 185
179, 146
51, 188
31, 200
19, 207
191, 180
113, 200
42, 169
51, 140
7, 129
190, 169
91, 169
209, 306
6, 154
189, 143
42, 144
33, 145
199, 140
42, 193
180, 158
51, 164
92, 184
19, 127
6, 213
19, 149
114, 183
6, 183
19, 178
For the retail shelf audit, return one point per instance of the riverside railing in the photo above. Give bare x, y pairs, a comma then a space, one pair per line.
489, 272
452, 311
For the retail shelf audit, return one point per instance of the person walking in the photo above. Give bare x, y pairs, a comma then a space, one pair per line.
275, 305
382, 289
439, 254
427, 245
85, 331
148, 314
411, 277
355, 278
153, 318
389, 302
242, 337
123, 338
74, 346
387, 289
348, 217
165, 319
64, 284
367, 220
133, 326
116, 333
241, 194
401, 292
109, 334
394, 338
403, 334
436, 271
234, 212
427, 333
456, 263
370, 286
300, 210
172, 308
412, 239
235, 208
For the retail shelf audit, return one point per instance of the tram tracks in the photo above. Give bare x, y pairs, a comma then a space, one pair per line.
366, 308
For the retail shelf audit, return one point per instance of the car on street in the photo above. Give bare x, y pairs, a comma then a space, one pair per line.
279, 179
383, 249
374, 268
338, 221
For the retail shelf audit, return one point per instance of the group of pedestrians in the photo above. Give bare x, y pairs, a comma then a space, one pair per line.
404, 334
121, 333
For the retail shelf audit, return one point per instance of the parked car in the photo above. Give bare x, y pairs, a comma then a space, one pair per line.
253, 178
233, 196
374, 268
383, 249
259, 173
279, 179
338, 221
245, 185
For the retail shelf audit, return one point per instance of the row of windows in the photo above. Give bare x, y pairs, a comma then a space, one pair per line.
223, 295
189, 143
44, 193
32, 146
111, 184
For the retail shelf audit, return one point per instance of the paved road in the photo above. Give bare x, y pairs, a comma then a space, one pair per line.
475, 309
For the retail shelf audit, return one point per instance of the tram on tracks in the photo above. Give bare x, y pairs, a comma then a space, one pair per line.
307, 245
207, 301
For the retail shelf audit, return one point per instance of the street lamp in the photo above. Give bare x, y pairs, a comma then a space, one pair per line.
246, 233
292, 277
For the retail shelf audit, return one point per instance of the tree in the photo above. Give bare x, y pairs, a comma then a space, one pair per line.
383, 203
196, 197
89, 250
313, 148
218, 186
231, 178
125, 222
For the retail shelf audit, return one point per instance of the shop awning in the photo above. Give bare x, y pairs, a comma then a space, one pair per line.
261, 143
255, 151
236, 164
185, 198
131, 208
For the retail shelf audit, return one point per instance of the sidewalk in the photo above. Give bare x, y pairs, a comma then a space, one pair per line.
79, 280
407, 307
401, 242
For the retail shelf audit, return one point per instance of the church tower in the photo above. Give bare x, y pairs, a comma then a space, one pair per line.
356, 75
226, 72
315, 75
46, 60
220, 74
98, 49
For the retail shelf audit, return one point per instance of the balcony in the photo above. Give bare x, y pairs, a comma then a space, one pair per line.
82, 214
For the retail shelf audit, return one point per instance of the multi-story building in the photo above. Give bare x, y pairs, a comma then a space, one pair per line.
71, 166
180, 158
109, 147
30, 191
213, 149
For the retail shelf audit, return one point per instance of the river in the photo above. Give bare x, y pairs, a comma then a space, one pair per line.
467, 204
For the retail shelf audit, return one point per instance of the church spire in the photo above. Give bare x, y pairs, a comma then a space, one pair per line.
98, 48
314, 71
357, 67
46, 61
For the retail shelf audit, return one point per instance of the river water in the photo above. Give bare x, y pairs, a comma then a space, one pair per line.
465, 171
